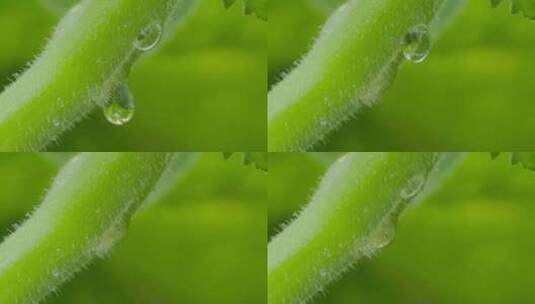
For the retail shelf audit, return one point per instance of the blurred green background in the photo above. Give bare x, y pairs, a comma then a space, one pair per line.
471, 241
204, 241
473, 93
196, 92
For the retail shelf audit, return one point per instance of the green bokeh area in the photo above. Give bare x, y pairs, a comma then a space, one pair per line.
196, 92
203, 241
473, 93
469, 242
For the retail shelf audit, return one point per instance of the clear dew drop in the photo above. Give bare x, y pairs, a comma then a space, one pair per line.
415, 185
149, 37
417, 44
382, 235
120, 108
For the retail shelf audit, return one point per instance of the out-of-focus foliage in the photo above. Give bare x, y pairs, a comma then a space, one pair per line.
471, 241
202, 242
525, 7
196, 92
526, 159
473, 92
254, 7
258, 159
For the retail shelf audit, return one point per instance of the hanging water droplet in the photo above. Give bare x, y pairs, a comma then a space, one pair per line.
120, 108
149, 37
417, 44
415, 185
382, 235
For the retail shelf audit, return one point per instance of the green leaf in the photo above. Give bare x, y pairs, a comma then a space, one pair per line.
525, 7
526, 159
259, 159
251, 7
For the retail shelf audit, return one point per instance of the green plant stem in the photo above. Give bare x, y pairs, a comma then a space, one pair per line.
83, 215
352, 214
91, 50
353, 60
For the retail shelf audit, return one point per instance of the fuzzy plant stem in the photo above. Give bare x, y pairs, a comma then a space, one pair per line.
89, 54
352, 61
85, 212
352, 214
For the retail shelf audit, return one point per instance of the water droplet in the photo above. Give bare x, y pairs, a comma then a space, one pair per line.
149, 37
380, 237
415, 185
417, 44
120, 108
